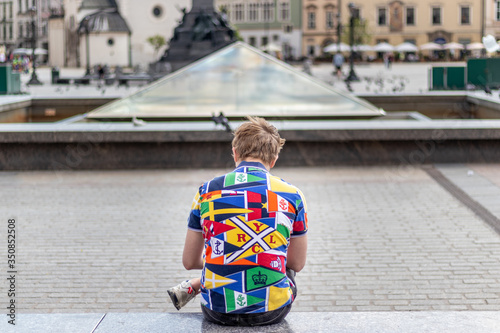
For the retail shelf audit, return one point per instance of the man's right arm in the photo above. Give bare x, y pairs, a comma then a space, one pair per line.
193, 250
194, 244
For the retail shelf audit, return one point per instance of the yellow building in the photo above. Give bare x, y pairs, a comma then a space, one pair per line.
395, 22
319, 27
492, 18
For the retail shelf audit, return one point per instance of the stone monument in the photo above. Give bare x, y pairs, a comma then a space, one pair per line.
201, 31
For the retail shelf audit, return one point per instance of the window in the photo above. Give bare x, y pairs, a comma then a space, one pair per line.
285, 11
253, 12
329, 20
157, 11
20, 5
465, 15
356, 13
11, 33
311, 20
310, 50
410, 16
238, 12
276, 38
288, 28
264, 41
498, 10
436, 15
268, 13
251, 41
382, 16
21, 30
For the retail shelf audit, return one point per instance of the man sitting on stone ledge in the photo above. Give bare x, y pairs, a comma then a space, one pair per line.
247, 233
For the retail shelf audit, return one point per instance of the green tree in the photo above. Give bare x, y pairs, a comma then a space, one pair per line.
157, 42
361, 34
223, 10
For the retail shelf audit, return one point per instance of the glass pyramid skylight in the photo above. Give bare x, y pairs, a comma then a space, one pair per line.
237, 80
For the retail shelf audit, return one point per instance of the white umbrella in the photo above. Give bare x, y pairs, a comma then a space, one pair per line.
40, 51
406, 47
490, 43
271, 47
332, 48
430, 47
383, 47
21, 51
453, 46
475, 46
363, 48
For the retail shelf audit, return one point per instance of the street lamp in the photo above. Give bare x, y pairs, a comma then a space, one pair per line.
34, 79
86, 22
352, 75
339, 25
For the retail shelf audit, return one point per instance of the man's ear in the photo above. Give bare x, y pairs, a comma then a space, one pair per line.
273, 162
236, 157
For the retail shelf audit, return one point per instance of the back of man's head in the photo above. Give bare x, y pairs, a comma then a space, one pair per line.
257, 138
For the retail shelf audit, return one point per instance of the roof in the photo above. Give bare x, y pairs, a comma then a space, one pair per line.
107, 20
97, 4
238, 80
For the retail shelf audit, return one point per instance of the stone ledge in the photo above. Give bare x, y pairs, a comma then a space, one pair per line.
71, 146
408, 322
303, 131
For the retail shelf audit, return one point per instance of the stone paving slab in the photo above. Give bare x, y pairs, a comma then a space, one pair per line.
298, 322
381, 239
40, 323
481, 183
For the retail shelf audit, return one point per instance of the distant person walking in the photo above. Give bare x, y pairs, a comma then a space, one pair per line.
338, 61
387, 60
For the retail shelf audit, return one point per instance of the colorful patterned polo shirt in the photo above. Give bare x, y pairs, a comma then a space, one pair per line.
247, 218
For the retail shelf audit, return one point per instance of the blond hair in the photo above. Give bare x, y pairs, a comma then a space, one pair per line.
257, 138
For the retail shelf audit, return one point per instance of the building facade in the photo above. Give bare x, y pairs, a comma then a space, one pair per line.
298, 27
266, 22
492, 18
17, 18
145, 18
151, 17
395, 22
321, 21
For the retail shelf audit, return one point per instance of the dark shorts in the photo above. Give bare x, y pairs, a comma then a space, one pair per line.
252, 319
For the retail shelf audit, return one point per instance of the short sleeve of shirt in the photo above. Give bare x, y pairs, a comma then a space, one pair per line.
300, 225
194, 215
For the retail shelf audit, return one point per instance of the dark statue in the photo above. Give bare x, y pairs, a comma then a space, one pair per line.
201, 31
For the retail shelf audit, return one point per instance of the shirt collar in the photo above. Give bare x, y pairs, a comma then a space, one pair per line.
259, 165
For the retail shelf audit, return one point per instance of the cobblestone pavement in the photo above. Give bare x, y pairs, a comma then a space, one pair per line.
381, 239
